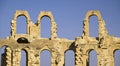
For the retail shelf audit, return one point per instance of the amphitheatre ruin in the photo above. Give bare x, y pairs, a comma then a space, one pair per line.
105, 45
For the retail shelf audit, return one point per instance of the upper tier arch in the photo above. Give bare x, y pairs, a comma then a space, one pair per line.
93, 13
21, 13
45, 13
52, 22
102, 31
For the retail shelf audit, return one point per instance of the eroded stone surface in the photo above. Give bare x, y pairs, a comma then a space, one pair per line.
105, 45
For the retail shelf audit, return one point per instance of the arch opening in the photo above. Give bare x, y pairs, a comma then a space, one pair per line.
21, 25
69, 58
45, 58
117, 58
45, 27
93, 26
22, 40
2, 56
24, 58
92, 59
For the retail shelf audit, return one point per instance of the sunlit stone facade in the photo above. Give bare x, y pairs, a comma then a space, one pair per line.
105, 45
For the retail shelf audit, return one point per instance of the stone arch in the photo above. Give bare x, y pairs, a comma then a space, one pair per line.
45, 13
3, 46
115, 51
69, 57
26, 53
45, 27
89, 50
69, 50
7, 46
116, 56
21, 23
93, 58
49, 57
101, 24
21, 13
45, 48
17, 14
88, 60
91, 13
93, 21
53, 23
25, 49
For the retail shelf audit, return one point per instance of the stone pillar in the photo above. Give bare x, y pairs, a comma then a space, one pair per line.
39, 28
37, 58
27, 27
104, 58
16, 57
99, 60
85, 28
85, 60
78, 57
53, 59
59, 52
31, 58
53, 30
81, 58
111, 60
102, 61
102, 29
13, 27
60, 60
8, 57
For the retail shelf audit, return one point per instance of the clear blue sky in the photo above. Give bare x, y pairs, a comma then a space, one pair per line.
68, 14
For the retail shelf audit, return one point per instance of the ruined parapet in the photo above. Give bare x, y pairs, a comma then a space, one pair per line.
33, 29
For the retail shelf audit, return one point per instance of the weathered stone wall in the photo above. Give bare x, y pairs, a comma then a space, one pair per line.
105, 45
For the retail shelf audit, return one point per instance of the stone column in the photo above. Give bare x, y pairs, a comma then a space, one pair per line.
104, 58
81, 58
53, 30
78, 57
16, 57
99, 60
60, 60
37, 58
31, 58
85, 60
13, 27
85, 28
102, 29
53, 59
39, 28
8, 57
111, 60
27, 26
